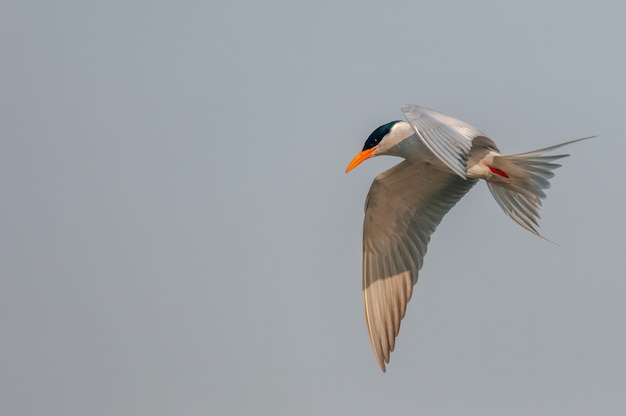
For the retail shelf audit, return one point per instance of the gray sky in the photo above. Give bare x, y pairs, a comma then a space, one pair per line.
178, 235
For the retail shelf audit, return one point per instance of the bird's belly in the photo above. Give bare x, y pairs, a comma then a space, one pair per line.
480, 168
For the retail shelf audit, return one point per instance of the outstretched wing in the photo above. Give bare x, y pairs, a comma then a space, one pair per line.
448, 138
402, 210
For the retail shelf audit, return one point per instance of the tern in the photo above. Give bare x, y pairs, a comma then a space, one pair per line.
443, 159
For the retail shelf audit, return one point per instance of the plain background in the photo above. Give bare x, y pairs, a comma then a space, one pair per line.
178, 236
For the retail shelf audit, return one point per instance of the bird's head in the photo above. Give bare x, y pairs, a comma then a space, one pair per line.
381, 141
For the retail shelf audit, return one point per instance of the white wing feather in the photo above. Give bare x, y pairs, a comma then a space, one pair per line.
448, 138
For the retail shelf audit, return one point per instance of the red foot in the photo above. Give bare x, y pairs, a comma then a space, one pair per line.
498, 171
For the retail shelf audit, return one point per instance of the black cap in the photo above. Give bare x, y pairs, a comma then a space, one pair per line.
378, 134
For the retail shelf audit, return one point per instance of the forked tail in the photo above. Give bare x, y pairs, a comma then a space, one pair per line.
528, 174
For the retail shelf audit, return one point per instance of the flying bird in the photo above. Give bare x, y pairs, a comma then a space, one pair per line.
443, 159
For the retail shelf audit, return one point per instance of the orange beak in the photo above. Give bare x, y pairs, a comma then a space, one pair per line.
360, 157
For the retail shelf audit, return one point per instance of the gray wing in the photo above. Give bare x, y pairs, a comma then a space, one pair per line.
448, 138
403, 207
